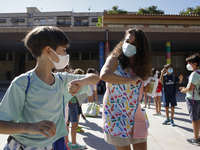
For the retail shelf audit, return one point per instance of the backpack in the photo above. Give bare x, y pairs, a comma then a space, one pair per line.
60, 143
198, 90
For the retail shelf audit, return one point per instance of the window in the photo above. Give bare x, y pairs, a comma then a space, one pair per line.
50, 19
94, 19
21, 20
14, 20
6, 57
2, 20
85, 56
30, 15
42, 21
74, 56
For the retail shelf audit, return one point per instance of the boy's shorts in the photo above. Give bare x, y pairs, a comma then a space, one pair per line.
14, 145
169, 98
194, 109
73, 113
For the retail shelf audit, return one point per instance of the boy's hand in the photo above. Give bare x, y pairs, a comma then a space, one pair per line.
182, 89
163, 70
45, 127
75, 86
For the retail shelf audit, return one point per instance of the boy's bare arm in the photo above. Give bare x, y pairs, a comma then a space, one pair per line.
161, 76
46, 128
75, 86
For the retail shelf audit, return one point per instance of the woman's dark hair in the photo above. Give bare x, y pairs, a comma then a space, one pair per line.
91, 70
40, 37
141, 61
194, 59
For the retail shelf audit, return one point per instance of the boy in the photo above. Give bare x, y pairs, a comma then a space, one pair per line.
35, 119
73, 117
94, 88
192, 96
169, 81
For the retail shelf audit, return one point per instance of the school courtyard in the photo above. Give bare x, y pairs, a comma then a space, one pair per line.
161, 137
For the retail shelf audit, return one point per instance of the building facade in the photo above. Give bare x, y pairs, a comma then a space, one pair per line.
172, 38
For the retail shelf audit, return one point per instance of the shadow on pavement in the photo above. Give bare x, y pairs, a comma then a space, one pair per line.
183, 119
92, 140
185, 128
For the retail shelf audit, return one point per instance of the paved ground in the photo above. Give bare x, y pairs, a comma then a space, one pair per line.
161, 137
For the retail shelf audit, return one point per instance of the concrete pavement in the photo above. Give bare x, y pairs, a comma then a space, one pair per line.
161, 137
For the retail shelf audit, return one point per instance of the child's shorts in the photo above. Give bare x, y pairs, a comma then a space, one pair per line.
157, 94
194, 109
14, 145
73, 113
169, 98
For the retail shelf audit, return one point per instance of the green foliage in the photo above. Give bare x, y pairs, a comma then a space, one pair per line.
115, 10
99, 24
150, 10
190, 10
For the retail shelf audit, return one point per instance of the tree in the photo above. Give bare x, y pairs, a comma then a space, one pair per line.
190, 10
150, 10
114, 10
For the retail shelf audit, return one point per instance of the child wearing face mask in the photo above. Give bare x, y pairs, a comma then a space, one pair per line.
32, 110
193, 96
169, 80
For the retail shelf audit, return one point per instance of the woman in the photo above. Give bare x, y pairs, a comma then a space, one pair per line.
126, 66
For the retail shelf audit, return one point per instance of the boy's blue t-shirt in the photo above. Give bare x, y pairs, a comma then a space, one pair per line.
42, 102
169, 86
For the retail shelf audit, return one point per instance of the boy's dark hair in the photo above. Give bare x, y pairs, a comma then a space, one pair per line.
91, 70
78, 71
168, 65
40, 37
194, 59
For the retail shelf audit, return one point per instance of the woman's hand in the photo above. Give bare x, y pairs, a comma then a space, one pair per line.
182, 89
45, 127
136, 80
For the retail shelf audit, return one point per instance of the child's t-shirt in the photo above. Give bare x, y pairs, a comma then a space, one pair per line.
42, 102
169, 83
194, 79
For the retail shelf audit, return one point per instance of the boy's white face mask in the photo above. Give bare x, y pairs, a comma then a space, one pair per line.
189, 67
63, 61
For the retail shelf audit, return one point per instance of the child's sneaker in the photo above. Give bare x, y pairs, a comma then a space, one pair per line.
166, 121
172, 123
77, 146
194, 141
79, 130
159, 113
156, 114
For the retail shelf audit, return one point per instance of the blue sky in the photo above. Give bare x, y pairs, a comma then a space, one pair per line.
168, 6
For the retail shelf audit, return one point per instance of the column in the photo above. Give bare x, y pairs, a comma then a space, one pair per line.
168, 53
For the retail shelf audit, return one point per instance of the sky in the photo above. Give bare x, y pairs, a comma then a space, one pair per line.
168, 6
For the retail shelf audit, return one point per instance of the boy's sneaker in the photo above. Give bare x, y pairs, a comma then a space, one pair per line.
172, 123
194, 141
77, 146
166, 121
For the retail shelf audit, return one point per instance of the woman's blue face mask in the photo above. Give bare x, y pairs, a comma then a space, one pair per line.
170, 70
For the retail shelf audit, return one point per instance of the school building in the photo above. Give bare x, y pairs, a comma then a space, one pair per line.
172, 38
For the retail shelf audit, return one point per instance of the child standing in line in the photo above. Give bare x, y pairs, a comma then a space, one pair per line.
193, 96
169, 80
94, 89
146, 86
34, 118
158, 94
